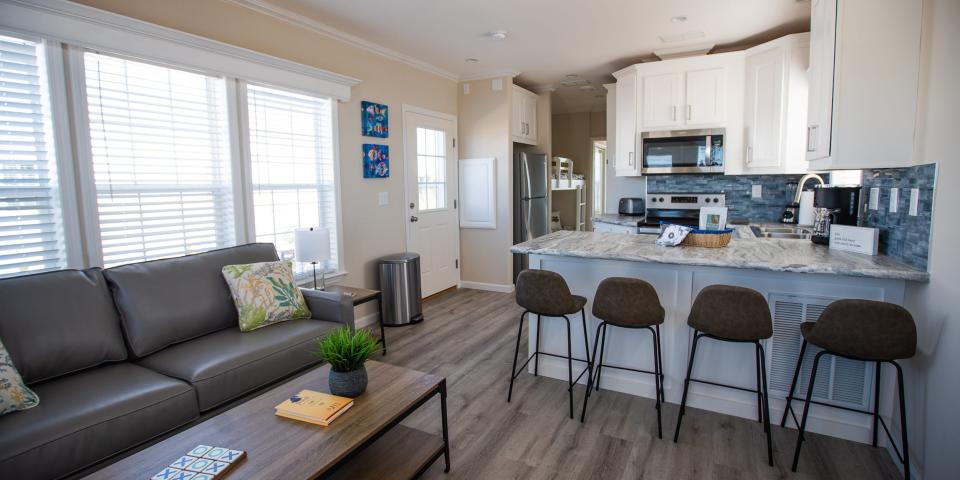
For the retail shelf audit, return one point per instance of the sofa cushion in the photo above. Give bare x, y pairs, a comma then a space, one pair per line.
265, 293
59, 322
89, 416
167, 301
227, 364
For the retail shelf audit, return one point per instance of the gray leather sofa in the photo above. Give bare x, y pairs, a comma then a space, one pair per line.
129, 354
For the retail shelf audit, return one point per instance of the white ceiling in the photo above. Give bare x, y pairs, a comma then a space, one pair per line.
547, 39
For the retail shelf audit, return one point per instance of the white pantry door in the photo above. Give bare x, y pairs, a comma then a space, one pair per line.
433, 230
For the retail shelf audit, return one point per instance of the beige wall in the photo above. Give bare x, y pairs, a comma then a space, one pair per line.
573, 135
933, 389
484, 131
370, 231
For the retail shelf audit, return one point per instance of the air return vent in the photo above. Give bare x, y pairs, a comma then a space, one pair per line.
839, 381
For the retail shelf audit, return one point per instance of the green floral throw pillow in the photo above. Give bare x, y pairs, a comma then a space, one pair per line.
265, 293
14, 395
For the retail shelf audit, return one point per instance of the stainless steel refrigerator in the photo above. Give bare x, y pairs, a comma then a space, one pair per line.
531, 215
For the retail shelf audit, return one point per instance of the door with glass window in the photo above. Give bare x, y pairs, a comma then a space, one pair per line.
430, 212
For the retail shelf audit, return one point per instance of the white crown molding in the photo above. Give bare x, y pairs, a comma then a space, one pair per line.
544, 89
493, 74
280, 13
93, 28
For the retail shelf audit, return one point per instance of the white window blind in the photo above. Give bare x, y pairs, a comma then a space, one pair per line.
292, 165
161, 161
31, 233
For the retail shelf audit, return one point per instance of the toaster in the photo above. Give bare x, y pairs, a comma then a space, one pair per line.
631, 206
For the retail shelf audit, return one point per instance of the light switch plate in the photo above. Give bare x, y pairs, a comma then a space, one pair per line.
894, 199
496, 84
914, 201
384, 198
874, 198
466, 89
757, 191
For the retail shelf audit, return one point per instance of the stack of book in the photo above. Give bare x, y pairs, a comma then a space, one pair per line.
314, 407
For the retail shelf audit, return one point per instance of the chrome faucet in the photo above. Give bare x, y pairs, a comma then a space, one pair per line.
803, 180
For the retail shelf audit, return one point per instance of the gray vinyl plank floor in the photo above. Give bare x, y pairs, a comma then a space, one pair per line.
468, 337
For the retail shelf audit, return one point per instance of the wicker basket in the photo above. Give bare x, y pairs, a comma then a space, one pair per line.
708, 238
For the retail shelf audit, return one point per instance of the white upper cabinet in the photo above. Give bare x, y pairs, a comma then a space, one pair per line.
626, 158
774, 107
523, 116
704, 97
661, 100
864, 75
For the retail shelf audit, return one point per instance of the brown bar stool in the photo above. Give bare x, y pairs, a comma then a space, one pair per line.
732, 314
863, 330
627, 303
545, 294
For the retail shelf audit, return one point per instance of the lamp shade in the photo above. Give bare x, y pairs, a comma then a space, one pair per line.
311, 244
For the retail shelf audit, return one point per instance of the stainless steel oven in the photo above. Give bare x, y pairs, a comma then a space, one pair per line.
682, 151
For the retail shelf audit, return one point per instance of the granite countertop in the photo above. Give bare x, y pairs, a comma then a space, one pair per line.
744, 251
625, 220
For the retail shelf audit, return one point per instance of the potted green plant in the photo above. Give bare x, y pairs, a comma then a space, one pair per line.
346, 353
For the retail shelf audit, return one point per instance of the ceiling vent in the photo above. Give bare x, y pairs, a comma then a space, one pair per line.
575, 83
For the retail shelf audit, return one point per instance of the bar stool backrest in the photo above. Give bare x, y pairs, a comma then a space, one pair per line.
865, 329
544, 293
627, 302
733, 313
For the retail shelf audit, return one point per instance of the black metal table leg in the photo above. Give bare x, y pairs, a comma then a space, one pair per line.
443, 416
383, 334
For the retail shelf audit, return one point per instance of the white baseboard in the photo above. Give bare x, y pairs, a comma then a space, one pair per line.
490, 287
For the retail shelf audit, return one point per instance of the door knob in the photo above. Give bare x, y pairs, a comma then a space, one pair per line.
413, 219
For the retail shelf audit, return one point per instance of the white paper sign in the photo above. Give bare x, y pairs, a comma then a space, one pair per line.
854, 239
713, 218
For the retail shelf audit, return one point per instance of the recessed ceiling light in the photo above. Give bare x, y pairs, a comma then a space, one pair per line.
587, 87
498, 34
678, 19
572, 75
471, 60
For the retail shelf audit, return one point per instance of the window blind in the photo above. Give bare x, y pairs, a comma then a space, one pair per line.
292, 165
31, 234
161, 162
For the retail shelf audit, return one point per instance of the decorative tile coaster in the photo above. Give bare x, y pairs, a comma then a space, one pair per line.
202, 463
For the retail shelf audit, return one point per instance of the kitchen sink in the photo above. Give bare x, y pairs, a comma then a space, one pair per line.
794, 233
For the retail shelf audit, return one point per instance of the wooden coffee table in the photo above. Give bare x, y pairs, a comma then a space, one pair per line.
367, 441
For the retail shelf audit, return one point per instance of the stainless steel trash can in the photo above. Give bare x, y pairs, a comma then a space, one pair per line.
400, 284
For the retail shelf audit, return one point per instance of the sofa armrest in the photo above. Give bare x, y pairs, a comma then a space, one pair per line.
330, 306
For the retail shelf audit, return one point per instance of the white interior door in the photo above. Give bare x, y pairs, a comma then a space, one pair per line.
431, 191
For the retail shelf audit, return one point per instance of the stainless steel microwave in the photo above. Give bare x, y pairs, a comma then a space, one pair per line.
682, 151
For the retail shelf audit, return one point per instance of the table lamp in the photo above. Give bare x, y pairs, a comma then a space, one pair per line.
312, 246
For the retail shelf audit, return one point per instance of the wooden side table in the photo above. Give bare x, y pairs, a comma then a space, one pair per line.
361, 296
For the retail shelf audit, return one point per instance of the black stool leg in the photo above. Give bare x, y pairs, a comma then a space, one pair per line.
603, 346
586, 345
516, 351
660, 359
903, 423
806, 409
759, 395
793, 384
876, 401
766, 403
536, 359
569, 366
656, 380
596, 342
686, 385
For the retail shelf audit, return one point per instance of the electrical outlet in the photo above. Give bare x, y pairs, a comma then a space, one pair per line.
914, 201
874, 198
496, 84
894, 199
383, 198
757, 191
466, 89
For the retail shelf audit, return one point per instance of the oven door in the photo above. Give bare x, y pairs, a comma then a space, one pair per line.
683, 151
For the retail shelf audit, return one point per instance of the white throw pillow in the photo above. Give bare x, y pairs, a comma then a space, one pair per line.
14, 394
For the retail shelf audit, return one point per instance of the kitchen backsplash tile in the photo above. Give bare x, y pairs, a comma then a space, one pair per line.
768, 208
901, 235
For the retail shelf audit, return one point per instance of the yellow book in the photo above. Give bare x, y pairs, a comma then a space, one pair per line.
310, 420
315, 407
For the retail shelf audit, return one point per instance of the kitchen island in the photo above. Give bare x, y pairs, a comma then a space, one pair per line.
797, 277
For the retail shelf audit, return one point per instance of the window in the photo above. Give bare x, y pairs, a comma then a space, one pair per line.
31, 233
161, 159
431, 169
292, 167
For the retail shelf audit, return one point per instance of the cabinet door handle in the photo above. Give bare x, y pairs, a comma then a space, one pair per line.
749, 154
630, 159
689, 112
812, 132
673, 114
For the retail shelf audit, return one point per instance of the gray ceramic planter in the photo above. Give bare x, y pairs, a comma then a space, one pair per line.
348, 384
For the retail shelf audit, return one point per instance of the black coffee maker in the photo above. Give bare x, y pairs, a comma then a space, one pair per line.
835, 206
